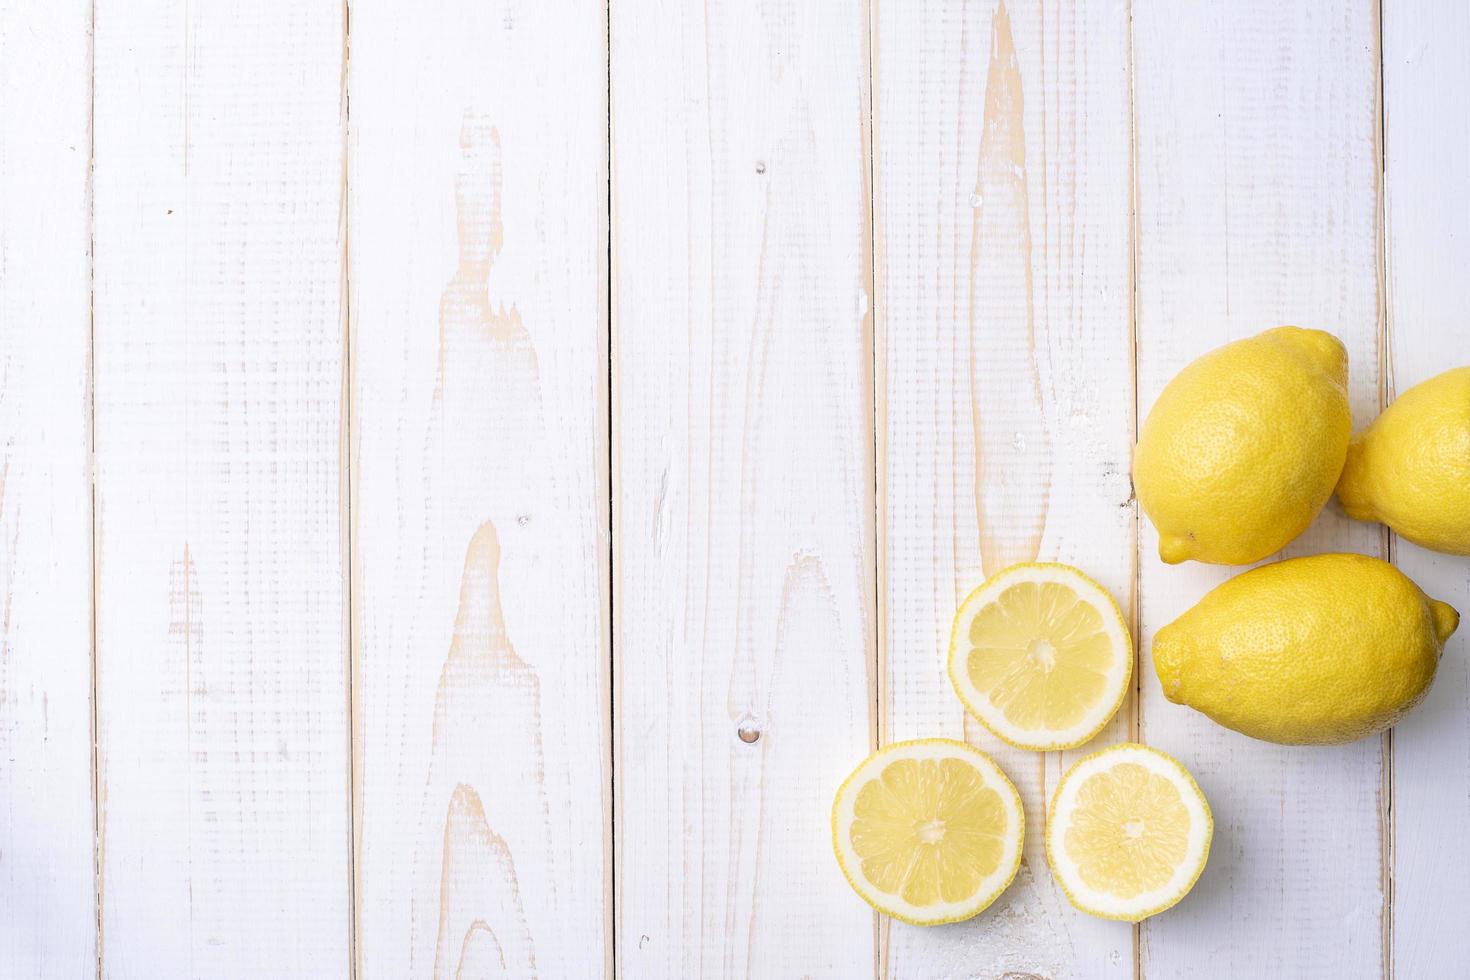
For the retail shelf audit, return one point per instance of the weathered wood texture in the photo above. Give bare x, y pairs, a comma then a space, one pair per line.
1006, 387
1426, 91
1257, 189
220, 659
743, 483
48, 922
480, 488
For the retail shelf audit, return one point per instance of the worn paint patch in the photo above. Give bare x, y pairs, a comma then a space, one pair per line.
477, 887
484, 471
487, 745
186, 617
466, 315
481, 954
1011, 443
487, 393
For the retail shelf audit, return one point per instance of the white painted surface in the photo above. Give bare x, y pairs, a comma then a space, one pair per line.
379, 690
223, 788
48, 922
1426, 82
743, 485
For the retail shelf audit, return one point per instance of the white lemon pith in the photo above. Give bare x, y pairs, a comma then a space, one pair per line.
1128, 833
928, 831
1040, 654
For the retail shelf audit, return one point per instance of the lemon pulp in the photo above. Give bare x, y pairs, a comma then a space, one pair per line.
1129, 832
929, 830
1041, 655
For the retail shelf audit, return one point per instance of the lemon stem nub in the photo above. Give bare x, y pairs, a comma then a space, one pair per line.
1174, 549
1446, 619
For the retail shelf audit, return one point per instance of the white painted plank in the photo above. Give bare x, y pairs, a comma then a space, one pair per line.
1257, 161
1006, 382
1426, 91
743, 484
222, 730
48, 924
480, 500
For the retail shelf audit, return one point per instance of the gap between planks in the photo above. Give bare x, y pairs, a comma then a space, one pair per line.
1135, 596
609, 405
97, 790
874, 326
1385, 536
347, 494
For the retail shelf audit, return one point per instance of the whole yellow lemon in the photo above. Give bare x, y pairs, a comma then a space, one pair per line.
1308, 651
1411, 468
1244, 446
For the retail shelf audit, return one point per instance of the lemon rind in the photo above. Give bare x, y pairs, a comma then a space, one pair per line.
960, 689
1184, 890
983, 763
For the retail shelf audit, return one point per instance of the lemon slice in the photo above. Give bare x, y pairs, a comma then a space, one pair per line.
928, 831
1041, 655
1128, 832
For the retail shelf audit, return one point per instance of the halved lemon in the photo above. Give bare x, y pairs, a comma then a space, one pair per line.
1041, 655
928, 831
1128, 832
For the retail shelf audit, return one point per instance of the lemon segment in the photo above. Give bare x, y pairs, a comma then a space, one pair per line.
1040, 654
1128, 833
928, 831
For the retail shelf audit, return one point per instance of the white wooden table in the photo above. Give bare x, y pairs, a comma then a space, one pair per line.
465, 505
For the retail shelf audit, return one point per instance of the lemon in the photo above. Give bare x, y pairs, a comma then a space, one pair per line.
1308, 651
1411, 468
1244, 446
1041, 655
928, 831
1128, 833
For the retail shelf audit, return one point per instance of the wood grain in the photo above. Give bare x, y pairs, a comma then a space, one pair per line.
743, 483
48, 924
1005, 387
222, 730
1257, 167
480, 489
1427, 235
